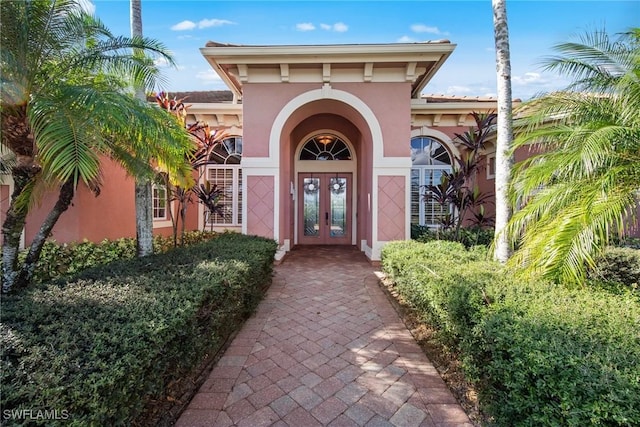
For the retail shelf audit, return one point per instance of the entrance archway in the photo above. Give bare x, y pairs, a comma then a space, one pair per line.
325, 208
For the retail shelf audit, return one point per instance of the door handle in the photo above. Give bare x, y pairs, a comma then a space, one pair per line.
326, 218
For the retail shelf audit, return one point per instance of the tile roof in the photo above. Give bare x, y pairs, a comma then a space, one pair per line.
434, 98
203, 96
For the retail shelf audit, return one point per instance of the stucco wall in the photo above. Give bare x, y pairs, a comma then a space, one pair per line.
391, 208
110, 215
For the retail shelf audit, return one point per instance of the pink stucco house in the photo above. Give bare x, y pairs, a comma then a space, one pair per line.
326, 144
336, 140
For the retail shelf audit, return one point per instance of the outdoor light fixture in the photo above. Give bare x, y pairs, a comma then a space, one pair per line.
325, 139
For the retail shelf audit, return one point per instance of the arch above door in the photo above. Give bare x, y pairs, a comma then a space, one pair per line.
325, 170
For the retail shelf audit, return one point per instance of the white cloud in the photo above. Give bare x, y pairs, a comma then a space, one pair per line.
529, 79
206, 23
405, 39
340, 27
183, 26
459, 90
421, 28
208, 77
305, 26
532, 84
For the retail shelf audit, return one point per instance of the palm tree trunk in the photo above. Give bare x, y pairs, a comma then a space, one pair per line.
28, 267
504, 161
143, 189
23, 180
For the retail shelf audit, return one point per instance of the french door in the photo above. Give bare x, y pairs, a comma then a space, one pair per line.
324, 208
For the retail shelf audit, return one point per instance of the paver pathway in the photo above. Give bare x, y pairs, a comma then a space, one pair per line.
324, 348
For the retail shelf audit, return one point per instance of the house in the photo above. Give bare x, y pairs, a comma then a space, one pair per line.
326, 144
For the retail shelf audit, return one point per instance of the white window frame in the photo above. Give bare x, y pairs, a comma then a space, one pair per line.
159, 222
491, 157
236, 194
422, 191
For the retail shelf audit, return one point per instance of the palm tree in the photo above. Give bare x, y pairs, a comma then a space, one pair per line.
584, 185
504, 160
143, 187
63, 106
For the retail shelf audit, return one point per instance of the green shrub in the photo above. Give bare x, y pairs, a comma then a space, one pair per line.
430, 279
468, 236
546, 355
102, 345
539, 353
619, 265
61, 260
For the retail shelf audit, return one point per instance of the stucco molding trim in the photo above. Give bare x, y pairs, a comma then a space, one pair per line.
326, 92
258, 162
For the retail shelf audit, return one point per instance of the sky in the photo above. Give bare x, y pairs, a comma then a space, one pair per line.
535, 26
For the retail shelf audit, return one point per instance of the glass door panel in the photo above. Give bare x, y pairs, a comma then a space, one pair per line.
324, 213
311, 207
338, 203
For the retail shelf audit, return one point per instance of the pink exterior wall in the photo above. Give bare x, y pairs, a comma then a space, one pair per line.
262, 103
110, 215
391, 210
390, 103
260, 210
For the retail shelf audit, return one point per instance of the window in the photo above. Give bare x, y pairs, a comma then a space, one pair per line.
325, 147
491, 166
160, 202
225, 173
429, 159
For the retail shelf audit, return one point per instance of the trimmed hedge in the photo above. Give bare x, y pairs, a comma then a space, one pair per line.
540, 354
468, 236
104, 344
619, 265
445, 283
62, 260
547, 355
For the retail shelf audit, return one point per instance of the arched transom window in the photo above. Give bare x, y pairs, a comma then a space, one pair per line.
429, 160
228, 151
426, 151
325, 147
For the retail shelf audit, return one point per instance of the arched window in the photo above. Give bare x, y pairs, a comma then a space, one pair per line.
429, 159
224, 172
228, 151
325, 147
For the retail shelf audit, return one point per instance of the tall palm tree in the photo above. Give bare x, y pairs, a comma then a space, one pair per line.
63, 106
143, 188
504, 158
584, 185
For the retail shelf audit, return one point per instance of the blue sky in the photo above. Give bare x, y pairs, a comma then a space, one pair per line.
535, 26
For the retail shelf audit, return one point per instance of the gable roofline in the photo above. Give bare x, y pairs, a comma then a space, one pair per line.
416, 63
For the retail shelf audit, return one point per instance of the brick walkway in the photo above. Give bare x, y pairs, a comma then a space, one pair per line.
325, 348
